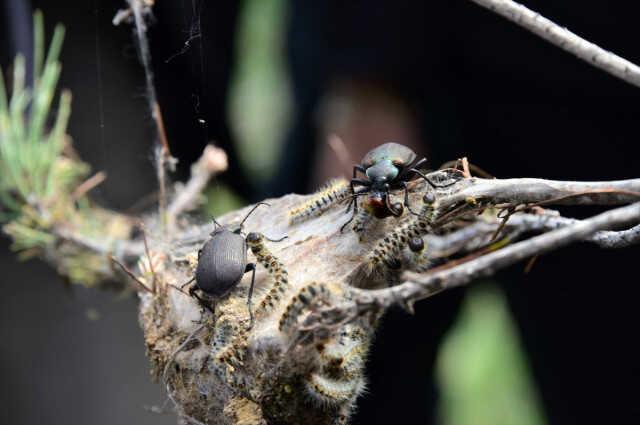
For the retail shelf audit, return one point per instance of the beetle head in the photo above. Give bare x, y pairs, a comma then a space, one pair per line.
254, 237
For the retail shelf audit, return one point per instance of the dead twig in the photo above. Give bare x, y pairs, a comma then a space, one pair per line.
537, 191
149, 259
212, 162
125, 269
88, 184
565, 39
164, 159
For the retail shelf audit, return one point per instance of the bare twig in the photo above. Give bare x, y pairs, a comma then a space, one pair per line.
465, 167
473, 169
565, 39
604, 238
149, 258
164, 159
140, 285
127, 14
535, 191
481, 233
161, 174
212, 162
137, 7
88, 184
119, 248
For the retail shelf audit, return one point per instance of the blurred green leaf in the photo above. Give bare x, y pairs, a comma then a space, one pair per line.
482, 371
260, 100
221, 199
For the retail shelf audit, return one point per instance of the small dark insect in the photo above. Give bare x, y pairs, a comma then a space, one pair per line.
222, 262
387, 167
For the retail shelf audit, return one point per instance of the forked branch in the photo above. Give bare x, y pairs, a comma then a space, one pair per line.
418, 286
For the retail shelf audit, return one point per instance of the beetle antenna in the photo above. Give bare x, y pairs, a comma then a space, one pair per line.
215, 223
252, 210
186, 283
432, 184
275, 240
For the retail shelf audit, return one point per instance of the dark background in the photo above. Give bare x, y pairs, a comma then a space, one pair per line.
476, 84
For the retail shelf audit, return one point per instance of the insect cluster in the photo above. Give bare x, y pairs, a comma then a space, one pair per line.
331, 374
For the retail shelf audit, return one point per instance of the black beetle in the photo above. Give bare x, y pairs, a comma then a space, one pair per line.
222, 262
389, 166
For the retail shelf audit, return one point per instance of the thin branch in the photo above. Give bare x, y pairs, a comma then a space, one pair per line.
140, 285
164, 159
137, 7
127, 14
212, 162
88, 184
466, 239
565, 39
118, 248
604, 238
419, 286
149, 258
538, 191
498, 191
480, 233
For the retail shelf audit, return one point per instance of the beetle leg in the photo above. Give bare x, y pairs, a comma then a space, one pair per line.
354, 202
188, 282
354, 192
432, 184
348, 221
251, 267
202, 302
387, 200
360, 182
275, 240
354, 198
406, 198
409, 169
357, 168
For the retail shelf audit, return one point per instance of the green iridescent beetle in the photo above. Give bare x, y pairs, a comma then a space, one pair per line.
387, 167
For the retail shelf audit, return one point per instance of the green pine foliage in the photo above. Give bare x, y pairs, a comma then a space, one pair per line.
32, 138
39, 173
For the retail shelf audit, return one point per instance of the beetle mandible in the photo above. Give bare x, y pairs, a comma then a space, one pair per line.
222, 262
